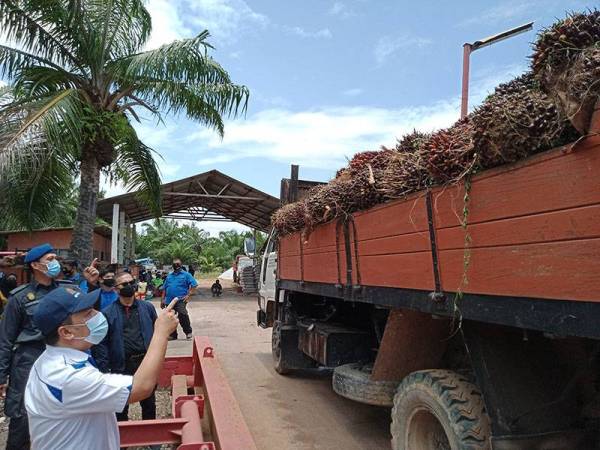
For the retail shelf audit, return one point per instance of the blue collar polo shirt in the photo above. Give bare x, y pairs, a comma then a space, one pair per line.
178, 284
71, 405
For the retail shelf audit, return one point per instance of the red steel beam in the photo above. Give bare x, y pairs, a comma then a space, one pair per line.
141, 433
228, 427
175, 365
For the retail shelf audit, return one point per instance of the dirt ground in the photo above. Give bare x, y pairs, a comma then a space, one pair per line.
296, 412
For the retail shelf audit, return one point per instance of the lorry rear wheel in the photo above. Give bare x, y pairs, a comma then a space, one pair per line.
439, 409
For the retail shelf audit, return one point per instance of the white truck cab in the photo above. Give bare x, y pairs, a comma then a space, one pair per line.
267, 282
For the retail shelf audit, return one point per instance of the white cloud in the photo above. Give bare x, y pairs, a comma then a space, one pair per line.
388, 45
167, 169
501, 13
341, 10
324, 33
352, 92
224, 19
323, 138
167, 25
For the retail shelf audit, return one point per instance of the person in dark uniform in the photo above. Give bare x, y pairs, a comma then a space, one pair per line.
21, 342
130, 330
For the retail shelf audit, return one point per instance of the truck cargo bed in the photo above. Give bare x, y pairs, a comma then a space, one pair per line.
534, 228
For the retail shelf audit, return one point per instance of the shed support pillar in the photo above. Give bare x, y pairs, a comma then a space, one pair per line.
114, 243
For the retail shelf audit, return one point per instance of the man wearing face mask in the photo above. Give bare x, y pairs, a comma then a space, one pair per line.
70, 403
130, 330
108, 294
180, 284
71, 273
20, 340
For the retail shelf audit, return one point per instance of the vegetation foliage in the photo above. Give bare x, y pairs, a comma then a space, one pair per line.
166, 239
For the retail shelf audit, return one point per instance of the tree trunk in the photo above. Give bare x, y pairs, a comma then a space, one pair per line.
83, 231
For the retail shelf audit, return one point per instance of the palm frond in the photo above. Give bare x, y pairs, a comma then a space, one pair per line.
37, 128
28, 25
136, 168
13, 60
184, 60
32, 192
206, 103
125, 25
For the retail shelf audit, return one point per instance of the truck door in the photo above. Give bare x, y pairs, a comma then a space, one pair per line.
268, 278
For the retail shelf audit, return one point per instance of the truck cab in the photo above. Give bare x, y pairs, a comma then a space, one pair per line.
267, 282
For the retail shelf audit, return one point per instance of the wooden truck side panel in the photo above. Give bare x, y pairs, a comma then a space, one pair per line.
534, 229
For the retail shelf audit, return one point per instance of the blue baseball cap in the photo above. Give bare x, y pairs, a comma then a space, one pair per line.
37, 252
54, 308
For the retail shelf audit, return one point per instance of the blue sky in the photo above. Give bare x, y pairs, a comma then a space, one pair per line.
332, 78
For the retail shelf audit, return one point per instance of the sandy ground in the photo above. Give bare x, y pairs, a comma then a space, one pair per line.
297, 412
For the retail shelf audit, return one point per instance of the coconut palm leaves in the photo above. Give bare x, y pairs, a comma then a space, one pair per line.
79, 75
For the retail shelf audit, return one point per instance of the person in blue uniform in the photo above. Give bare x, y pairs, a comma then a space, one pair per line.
182, 285
21, 342
130, 330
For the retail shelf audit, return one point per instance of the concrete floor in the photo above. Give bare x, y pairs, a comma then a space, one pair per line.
297, 412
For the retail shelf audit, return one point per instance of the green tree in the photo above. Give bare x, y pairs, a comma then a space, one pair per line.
78, 76
164, 240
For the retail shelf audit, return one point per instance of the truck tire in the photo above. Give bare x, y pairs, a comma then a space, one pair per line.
276, 350
284, 347
439, 409
353, 381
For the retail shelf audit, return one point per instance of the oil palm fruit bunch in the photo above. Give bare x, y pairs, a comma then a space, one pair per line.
411, 142
406, 173
516, 121
290, 218
329, 201
449, 153
566, 62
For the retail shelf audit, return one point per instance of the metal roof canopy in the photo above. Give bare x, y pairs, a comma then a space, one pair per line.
209, 196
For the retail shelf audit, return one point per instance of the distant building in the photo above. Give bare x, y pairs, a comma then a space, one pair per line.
59, 238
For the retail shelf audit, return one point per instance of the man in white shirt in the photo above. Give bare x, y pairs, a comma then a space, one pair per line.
71, 405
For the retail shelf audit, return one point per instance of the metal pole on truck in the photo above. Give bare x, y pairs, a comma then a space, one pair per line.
469, 48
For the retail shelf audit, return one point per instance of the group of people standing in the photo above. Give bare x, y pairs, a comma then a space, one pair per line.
94, 349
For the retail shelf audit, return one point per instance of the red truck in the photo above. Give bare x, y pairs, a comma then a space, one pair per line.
478, 337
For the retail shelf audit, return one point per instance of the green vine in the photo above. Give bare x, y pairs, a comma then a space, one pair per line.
464, 223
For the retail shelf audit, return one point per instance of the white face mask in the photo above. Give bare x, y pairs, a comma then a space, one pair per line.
98, 327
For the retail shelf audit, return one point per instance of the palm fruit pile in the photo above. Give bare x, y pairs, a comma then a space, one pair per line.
527, 115
449, 153
516, 121
290, 218
406, 171
566, 61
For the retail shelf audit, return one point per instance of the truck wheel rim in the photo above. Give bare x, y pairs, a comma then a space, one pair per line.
425, 432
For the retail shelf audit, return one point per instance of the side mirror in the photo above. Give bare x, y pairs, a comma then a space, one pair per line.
249, 247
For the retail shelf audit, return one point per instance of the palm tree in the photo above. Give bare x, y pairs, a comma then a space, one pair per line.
78, 76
